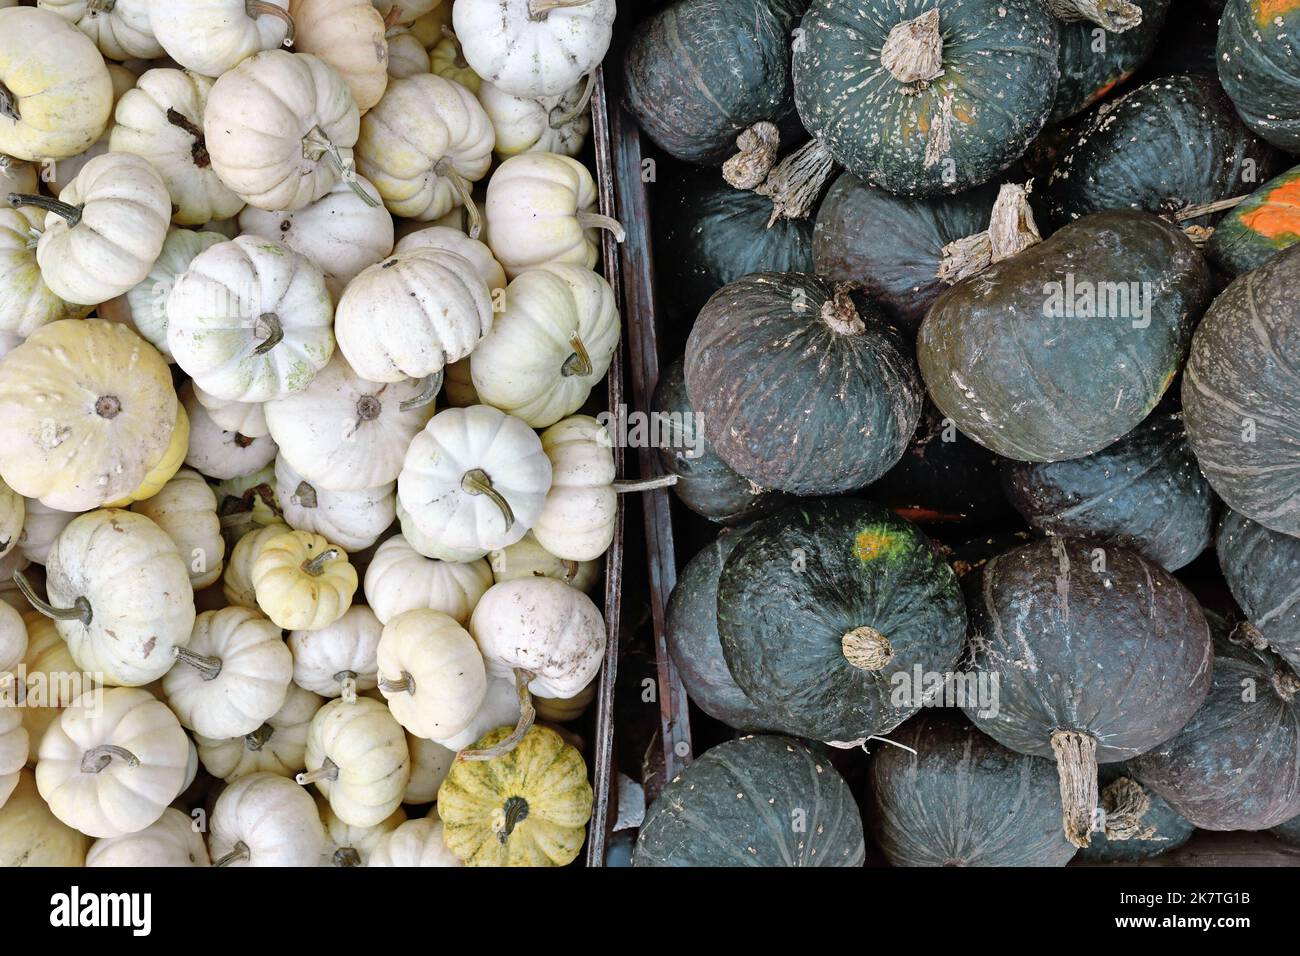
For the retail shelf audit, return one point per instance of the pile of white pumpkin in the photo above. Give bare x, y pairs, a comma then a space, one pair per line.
271, 201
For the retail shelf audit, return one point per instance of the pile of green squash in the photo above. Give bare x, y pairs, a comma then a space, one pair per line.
982, 317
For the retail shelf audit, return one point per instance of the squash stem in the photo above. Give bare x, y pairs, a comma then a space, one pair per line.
795, 183
347, 686
97, 759
840, 314
579, 363
71, 214
238, 853
1116, 16
198, 148
316, 145
476, 481
594, 220
80, 610
430, 385
305, 495
261, 8
259, 738
913, 51
369, 407
568, 116
1124, 803
208, 667
444, 168
538, 9
1011, 230
866, 648
645, 484
328, 770
405, 684
316, 566
271, 329
347, 855
513, 812
1209, 208
9, 104
757, 149
101, 6
1076, 769
527, 714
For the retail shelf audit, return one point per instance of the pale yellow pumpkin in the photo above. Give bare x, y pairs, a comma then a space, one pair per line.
430, 764
212, 36
13, 511
338, 660
414, 843
26, 302
186, 509
349, 36
173, 840
528, 559
431, 673
13, 645
357, 758
348, 845
265, 820
303, 582
51, 681
30, 835
279, 746
120, 28
13, 744
445, 60
162, 471
406, 54
237, 581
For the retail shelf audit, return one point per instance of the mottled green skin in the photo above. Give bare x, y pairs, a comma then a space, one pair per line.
756, 801
801, 579
1235, 765
1262, 568
1039, 387
1259, 67
1170, 830
1170, 143
698, 72
1089, 73
1265, 223
1000, 70
1122, 654
1144, 492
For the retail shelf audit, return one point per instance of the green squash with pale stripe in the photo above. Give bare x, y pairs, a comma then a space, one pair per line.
1264, 224
1259, 66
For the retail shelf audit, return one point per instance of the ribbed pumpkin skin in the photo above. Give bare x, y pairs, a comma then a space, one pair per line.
1166, 830
892, 244
1262, 568
1259, 66
700, 71
756, 801
798, 581
792, 403
1236, 763
1088, 74
705, 483
1241, 394
1035, 387
1144, 492
707, 233
1265, 223
1122, 654
1000, 70
691, 629
962, 799
1170, 143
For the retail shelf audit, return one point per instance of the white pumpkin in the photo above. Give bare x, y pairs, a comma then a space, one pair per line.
550, 346
250, 320
120, 28
120, 595
58, 175
237, 581
338, 660
302, 581
232, 676
56, 95
414, 843
173, 840
245, 418
423, 144
406, 55
455, 240
458, 385
400, 579
13, 511
13, 643
534, 47
357, 758
17, 176
552, 124
279, 746
280, 129
104, 233
30, 835
340, 232
219, 453
577, 522
26, 302
246, 504
352, 519
347, 845
264, 819
212, 36
474, 480
429, 546
186, 509
349, 36
112, 762
51, 679
41, 526
346, 433
13, 743
430, 764
528, 559
161, 119
144, 307
504, 705
539, 211
431, 673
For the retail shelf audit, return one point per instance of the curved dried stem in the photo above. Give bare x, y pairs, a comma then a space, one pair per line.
527, 714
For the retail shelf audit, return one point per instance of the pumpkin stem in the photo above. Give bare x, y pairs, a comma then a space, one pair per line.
794, 184
1011, 230
80, 610
101, 6
579, 363
261, 8
513, 812
9, 104
108, 406
571, 569
1285, 684
271, 329
316, 566
347, 855
538, 9
1076, 768
527, 714
71, 214
348, 686
304, 495
1113, 15
594, 220
840, 314
866, 648
328, 770
199, 148
444, 168
404, 685
259, 738
913, 51
1197, 210
429, 388
208, 667
557, 120
476, 481
1247, 634
645, 484
1124, 803
316, 144
756, 155
97, 759
238, 853
369, 407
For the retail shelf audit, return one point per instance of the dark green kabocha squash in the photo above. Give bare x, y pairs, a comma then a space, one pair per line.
691, 630
698, 72
1134, 824
708, 233
1262, 568
1066, 347
1099, 655
801, 387
824, 610
1170, 144
1236, 764
705, 483
948, 795
1264, 224
1144, 492
756, 801
1289, 832
1095, 61
1259, 66
1241, 394
925, 96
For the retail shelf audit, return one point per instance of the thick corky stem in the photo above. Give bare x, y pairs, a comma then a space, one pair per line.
527, 714
840, 314
757, 150
316, 566
1113, 15
260, 8
579, 363
429, 386
271, 330
199, 147
1125, 803
594, 220
347, 856
403, 685
513, 812
1197, 210
1076, 768
305, 495
913, 51
1011, 231
97, 759
71, 214
347, 686
794, 184
209, 668
866, 648
328, 770
237, 855
259, 738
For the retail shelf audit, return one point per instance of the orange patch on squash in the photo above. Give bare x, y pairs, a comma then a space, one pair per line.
962, 116
1278, 217
1266, 11
1106, 88
874, 542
